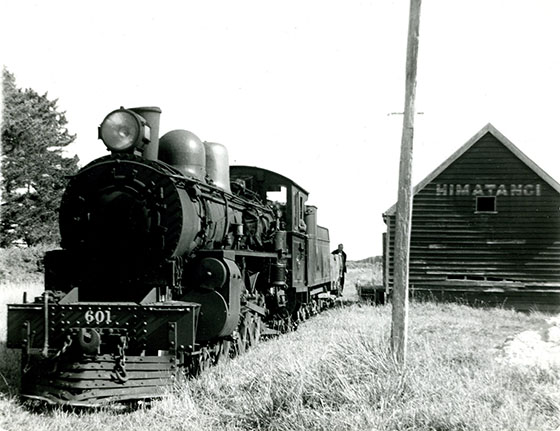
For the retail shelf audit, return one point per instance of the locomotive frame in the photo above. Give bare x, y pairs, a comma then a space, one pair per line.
166, 265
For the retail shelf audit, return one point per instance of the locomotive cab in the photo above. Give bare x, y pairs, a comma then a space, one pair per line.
307, 243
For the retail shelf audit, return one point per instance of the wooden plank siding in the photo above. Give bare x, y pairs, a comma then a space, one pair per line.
454, 248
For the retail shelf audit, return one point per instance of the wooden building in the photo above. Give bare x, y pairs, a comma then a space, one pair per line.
485, 227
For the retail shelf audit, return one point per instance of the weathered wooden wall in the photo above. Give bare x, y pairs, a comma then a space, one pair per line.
455, 247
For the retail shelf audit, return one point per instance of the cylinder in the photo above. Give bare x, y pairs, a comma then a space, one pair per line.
211, 274
311, 220
280, 241
278, 274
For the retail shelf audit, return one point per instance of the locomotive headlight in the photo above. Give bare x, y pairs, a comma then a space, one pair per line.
123, 130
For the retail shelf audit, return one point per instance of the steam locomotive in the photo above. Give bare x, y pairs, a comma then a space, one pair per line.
170, 260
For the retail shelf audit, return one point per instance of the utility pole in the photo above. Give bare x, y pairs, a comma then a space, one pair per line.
399, 327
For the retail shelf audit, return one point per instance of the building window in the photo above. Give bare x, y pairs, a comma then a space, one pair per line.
486, 204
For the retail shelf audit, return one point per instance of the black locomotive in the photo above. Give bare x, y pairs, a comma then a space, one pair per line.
170, 259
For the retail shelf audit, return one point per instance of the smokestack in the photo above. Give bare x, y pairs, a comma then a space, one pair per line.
151, 114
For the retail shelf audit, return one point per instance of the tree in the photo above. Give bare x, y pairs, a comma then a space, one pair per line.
34, 169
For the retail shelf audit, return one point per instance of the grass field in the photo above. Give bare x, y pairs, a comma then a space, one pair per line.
335, 373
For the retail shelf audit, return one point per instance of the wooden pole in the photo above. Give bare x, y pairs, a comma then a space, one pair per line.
399, 326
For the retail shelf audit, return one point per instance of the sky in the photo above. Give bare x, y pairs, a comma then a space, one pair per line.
310, 89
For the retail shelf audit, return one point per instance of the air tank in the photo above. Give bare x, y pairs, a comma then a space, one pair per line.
184, 151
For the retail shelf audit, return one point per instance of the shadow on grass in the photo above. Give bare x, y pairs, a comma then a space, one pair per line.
113, 408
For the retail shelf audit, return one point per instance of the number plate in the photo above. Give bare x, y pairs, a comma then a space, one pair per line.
97, 316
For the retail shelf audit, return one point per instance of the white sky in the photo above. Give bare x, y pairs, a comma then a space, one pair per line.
301, 87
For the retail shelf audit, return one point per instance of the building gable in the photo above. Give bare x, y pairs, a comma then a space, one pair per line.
489, 169
491, 147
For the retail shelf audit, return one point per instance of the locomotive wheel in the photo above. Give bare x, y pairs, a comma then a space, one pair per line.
255, 330
243, 339
238, 344
314, 308
204, 360
284, 322
258, 325
223, 351
249, 333
302, 314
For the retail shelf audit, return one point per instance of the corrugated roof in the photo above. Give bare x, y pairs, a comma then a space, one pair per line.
489, 128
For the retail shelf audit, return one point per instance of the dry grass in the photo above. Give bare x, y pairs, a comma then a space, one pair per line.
360, 273
335, 373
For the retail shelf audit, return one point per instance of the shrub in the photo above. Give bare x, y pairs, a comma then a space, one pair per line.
22, 264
